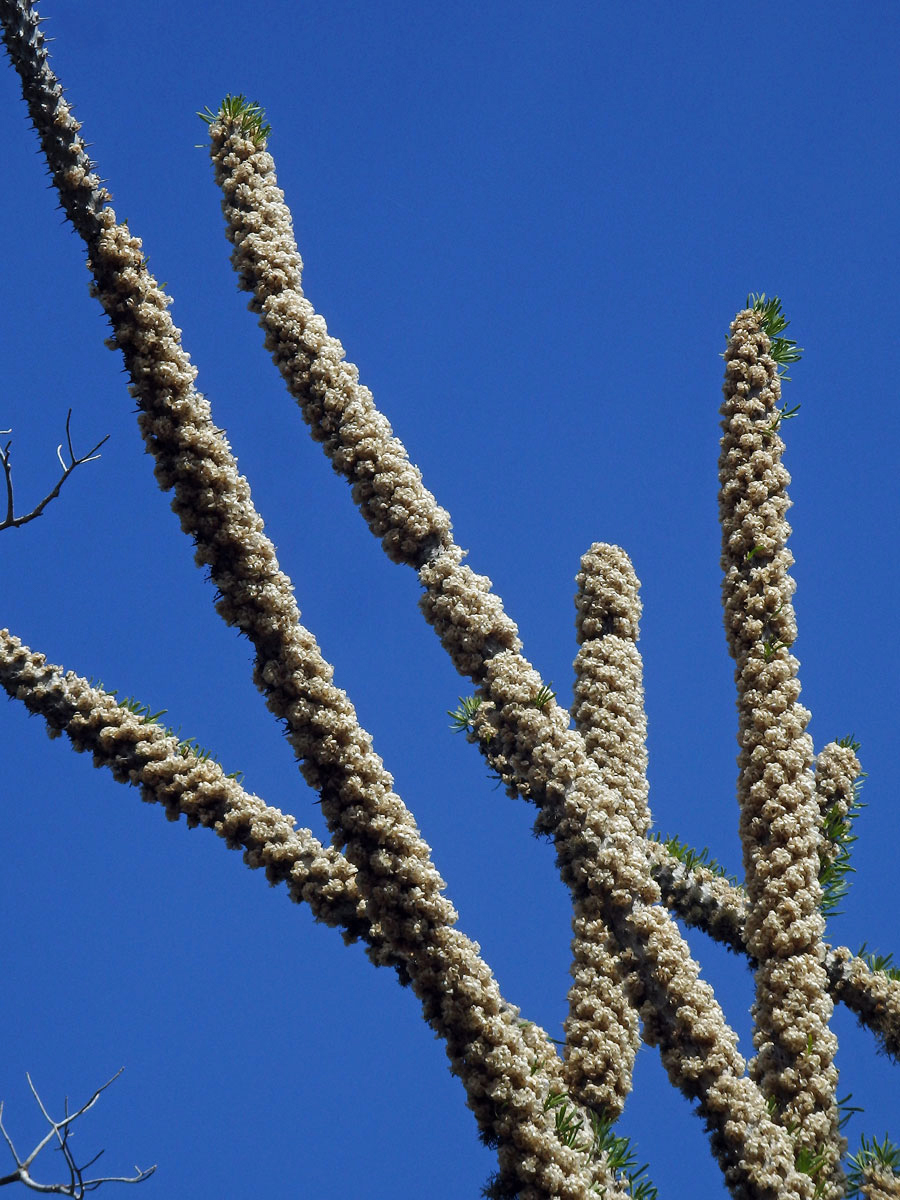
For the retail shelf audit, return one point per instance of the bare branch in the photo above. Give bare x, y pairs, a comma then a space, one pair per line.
11, 520
77, 1186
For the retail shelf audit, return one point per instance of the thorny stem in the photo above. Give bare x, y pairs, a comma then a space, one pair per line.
395, 873
546, 762
141, 752
779, 813
598, 852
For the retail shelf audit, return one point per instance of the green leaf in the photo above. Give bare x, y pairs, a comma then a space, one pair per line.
464, 715
245, 115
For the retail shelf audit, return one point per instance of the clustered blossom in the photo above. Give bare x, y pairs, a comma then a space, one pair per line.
703, 899
600, 857
400, 886
142, 753
394, 869
598, 852
706, 901
489, 1048
608, 708
340, 411
356, 437
602, 1034
872, 995
779, 820
213, 501
837, 773
879, 1183
588, 784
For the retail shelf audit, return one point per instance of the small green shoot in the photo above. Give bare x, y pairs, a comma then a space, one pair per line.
464, 716
568, 1124
543, 698
880, 1156
142, 710
811, 1163
620, 1156
781, 414
245, 115
692, 858
846, 1109
834, 853
619, 1152
782, 349
884, 963
187, 747
771, 647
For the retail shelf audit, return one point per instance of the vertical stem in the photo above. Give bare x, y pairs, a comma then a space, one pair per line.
779, 814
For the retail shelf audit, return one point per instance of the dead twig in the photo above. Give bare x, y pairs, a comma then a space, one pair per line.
77, 1185
11, 519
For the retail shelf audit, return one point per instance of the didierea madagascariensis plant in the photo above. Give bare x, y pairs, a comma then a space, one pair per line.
550, 1112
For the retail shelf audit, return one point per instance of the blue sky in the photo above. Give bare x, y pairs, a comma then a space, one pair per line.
530, 226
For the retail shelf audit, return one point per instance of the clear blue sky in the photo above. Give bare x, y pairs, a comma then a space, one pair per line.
530, 225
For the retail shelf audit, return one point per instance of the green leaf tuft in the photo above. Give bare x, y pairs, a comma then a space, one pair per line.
783, 350
245, 115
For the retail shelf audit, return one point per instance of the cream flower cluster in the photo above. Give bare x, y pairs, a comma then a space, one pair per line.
469, 619
880, 1184
589, 784
489, 1048
356, 437
710, 903
779, 813
836, 774
600, 856
471, 623
873, 995
143, 754
214, 504
602, 1034
703, 899
608, 708
394, 873
341, 413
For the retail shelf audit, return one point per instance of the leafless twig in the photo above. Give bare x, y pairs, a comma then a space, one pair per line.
68, 467
61, 1130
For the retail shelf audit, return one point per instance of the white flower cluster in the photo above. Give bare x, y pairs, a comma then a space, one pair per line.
873, 995
356, 437
599, 853
142, 753
779, 812
703, 899
608, 708
836, 773
708, 902
602, 1034
490, 1049
394, 875
589, 784
879, 1183
600, 856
